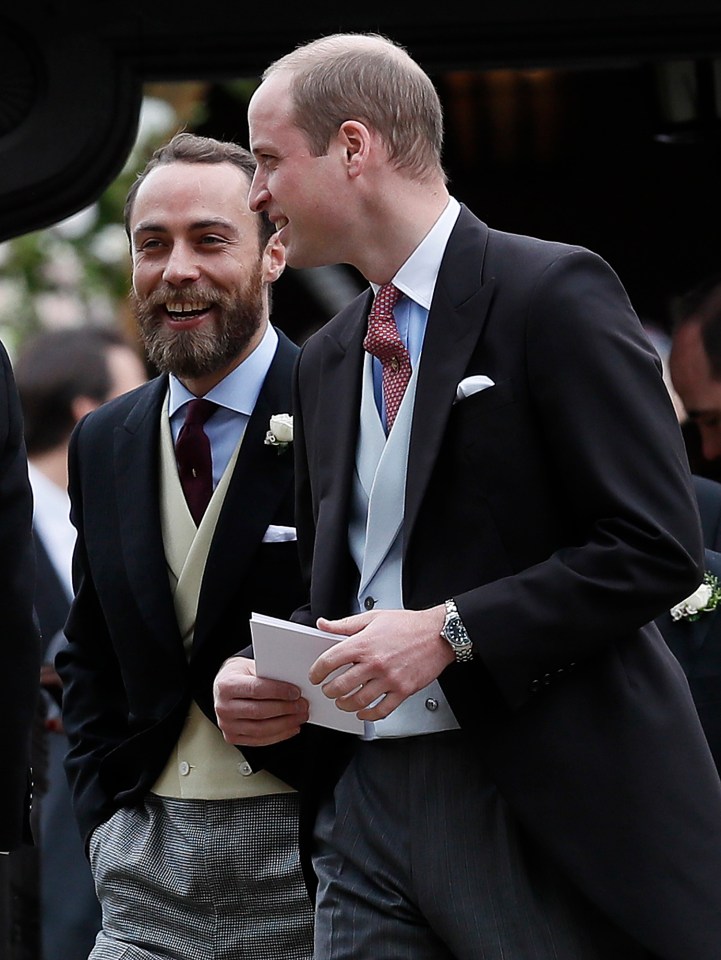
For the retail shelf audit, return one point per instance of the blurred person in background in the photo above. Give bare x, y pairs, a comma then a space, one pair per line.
695, 369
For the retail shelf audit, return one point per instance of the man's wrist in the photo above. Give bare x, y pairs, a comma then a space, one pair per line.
454, 633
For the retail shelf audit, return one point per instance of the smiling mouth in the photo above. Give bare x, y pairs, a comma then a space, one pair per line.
186, 311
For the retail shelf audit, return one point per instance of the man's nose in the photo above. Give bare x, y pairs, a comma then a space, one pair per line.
258, 196
181, 265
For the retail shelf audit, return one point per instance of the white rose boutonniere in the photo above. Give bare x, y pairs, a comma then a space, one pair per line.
280, 433
705, 598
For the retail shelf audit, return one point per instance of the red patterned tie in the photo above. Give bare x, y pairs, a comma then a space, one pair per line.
383, 341
192, 452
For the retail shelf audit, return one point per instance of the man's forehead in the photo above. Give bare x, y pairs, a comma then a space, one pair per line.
203, 177
270, 106
196, 192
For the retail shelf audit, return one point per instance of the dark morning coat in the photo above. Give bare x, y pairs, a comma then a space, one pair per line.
19, 634
127, 682
557, 508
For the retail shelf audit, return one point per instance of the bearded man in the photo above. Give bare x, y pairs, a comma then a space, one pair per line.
184, 519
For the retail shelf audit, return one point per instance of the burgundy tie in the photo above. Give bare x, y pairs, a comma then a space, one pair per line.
383, 341
192, 452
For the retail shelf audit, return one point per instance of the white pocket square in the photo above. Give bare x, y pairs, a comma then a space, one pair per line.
471, 385
276, 534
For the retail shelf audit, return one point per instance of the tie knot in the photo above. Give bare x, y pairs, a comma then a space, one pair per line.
199, 411
382, 339
385, 299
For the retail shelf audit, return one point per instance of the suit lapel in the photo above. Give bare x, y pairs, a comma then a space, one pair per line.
335, 433
137, 491
455, 324
262, 479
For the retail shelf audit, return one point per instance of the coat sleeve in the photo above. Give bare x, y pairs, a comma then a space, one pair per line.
630, 543
95, 713
19, 637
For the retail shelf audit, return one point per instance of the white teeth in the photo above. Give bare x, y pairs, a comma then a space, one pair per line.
281, 222
182, 307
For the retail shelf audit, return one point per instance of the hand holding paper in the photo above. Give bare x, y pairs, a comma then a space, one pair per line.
253, 711
286, 651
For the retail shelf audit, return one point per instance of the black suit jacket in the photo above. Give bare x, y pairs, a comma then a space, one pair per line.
557, 508
127, 682
19, 635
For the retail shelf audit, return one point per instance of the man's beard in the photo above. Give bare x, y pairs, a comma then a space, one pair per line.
210, 347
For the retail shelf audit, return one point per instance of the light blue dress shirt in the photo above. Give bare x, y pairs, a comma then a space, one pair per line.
235, 395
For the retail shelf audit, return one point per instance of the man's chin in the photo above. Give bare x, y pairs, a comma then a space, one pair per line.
191, 361
187, 367
300, 259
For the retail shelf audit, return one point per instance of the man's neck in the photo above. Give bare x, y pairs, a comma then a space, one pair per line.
403, 225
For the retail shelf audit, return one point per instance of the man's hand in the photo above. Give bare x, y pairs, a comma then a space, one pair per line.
253, 711
389, 654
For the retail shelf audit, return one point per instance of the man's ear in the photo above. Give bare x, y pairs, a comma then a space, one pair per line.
273, 259
355, 139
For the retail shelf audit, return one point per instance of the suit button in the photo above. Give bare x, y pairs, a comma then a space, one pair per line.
546, 679
369, 603
431, 704
245, 768
535, 686
183, 768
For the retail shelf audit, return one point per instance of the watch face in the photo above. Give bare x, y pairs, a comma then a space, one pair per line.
455, 632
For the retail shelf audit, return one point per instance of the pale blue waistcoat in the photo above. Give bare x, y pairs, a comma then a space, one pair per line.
375, 537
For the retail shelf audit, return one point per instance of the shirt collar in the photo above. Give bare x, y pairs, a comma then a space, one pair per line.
239, 390
417, 277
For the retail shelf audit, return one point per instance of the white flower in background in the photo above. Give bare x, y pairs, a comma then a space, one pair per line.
110, 244
58, 310
77, 225
156, 122
62, 266
12, 295
100, 310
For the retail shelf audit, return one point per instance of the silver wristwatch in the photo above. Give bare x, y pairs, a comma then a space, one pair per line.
456, 634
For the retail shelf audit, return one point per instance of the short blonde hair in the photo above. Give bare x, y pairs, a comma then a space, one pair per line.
369, 78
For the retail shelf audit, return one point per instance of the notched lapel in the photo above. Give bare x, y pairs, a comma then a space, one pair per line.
336, 418
262, 478
137, 490
452, 336
456, 320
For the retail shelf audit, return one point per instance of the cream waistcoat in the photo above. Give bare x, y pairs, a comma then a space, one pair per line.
202, 765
